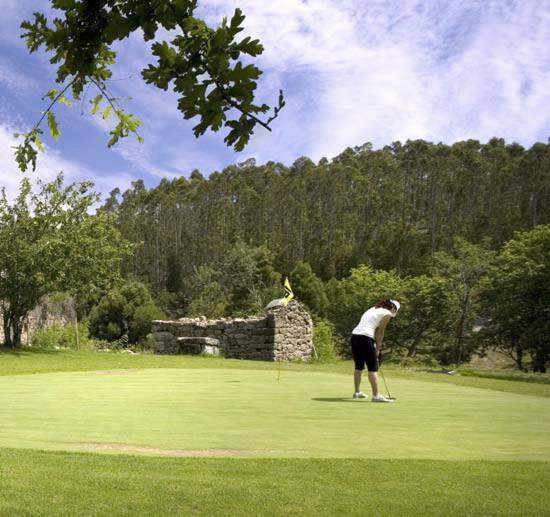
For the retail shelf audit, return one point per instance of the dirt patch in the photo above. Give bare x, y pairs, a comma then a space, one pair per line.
162, 452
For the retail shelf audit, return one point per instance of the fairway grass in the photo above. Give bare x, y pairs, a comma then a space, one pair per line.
94, 434
46, 483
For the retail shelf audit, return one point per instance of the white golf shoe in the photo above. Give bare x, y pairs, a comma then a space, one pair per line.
381, 398
359, 395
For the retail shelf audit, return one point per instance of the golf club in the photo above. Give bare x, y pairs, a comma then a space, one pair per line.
386, 386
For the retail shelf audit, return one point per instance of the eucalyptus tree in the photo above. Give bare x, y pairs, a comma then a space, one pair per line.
534, 169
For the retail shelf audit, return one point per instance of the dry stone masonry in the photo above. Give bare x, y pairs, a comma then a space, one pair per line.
285, 334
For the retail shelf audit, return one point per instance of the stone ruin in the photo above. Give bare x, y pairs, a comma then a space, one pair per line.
285, 333
47, 313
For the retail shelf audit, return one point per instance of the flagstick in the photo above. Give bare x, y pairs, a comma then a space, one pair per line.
279, 363
289, 295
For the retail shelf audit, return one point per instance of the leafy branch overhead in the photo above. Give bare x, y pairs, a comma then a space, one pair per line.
209, 68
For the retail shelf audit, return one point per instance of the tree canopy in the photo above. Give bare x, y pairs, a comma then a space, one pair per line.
51, 243
516, 298
418, 221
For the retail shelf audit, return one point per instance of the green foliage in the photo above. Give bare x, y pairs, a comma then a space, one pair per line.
52, 125
323, 341
52, 244
27, 152
392, 209
462, 270
127, 310
353, 295
243, 282
239, 274
140, 327
208, 68
430, 214
63, 336
422, 328
207, 296
516, 298
309, 288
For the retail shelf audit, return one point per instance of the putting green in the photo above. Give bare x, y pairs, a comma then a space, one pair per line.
250, 413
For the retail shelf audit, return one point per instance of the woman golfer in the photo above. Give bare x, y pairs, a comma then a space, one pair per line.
366, 345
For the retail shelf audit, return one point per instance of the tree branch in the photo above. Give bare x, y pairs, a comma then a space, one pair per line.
55, 99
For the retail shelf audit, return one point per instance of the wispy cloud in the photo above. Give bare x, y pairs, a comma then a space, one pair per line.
352, 71
50, 165
396, 70
17, 83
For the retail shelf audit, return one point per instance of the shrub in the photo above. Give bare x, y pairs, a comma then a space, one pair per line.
62, 336
124, 311
323, 341
309, 288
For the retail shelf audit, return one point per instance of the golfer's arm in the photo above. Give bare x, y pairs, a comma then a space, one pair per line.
379, 333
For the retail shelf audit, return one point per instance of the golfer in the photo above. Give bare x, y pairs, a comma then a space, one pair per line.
366, 345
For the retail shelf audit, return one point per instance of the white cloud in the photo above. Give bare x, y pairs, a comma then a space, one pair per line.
50, 164
396, 70
353, 71
18, 83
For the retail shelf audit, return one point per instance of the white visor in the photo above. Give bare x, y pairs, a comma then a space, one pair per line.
396, 303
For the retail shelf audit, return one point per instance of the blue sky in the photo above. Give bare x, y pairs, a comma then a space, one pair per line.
353, 71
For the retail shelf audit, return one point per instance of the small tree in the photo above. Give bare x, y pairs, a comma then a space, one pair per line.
125, 310
50, 243
352, 296
323, 341
424, 325
309, 288
239, 275
462, 269
516, 296
206, 295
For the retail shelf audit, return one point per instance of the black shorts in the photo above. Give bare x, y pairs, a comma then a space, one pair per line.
364, 352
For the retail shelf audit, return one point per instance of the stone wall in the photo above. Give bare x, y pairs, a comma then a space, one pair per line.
284, 333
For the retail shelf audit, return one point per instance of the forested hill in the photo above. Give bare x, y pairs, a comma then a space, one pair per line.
390, 208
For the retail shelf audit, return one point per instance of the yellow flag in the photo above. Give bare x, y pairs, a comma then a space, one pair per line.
289, 295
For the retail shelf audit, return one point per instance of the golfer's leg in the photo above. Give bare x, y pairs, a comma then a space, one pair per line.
373, 379
357, 374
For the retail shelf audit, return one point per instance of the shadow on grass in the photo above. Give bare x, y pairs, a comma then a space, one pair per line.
26, 351
334, 399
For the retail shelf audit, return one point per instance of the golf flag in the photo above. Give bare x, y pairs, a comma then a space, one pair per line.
289, 295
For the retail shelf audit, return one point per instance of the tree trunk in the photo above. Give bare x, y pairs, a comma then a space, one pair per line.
411, 352
458, 352
13, 328
539, 360
518, 357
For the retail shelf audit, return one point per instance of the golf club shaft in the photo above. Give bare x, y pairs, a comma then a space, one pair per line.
385, 385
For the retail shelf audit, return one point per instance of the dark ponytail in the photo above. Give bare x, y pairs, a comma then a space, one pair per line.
385, 304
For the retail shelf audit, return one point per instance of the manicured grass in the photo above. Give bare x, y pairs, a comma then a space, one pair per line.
450, 445
509, 375
26, 361
251, 412
41, 483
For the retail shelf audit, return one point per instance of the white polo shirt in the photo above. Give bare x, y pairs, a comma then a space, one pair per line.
370, 321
